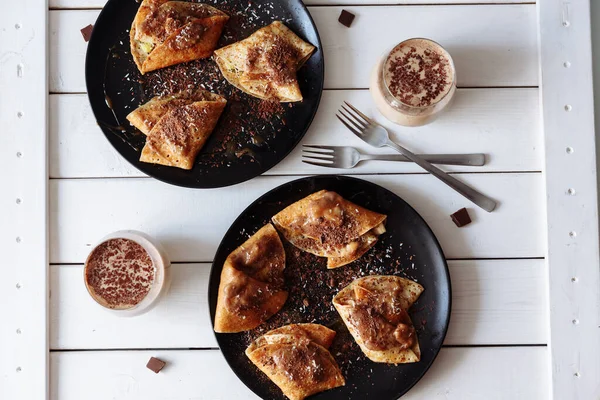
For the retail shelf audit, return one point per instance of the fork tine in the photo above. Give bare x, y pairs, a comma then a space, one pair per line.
308, 147
320, 156
353, 130
317, 150
369, 120
361, 126
309, 153
318, 164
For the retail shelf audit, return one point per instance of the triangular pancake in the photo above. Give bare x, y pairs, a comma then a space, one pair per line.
147, 115
178, 136
165, 33
264, 64
252, 283
374, 309
317, 333
293, 358
327, 225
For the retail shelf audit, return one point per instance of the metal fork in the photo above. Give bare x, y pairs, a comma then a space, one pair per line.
349, 157
377, 136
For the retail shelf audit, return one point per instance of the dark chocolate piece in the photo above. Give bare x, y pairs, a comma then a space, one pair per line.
87, 32
461, 217
346, 18
155, 364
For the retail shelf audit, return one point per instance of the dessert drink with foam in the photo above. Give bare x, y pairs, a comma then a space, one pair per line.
127, 272
414, 82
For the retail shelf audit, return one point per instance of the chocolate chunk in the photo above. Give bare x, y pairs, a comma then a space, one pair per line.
461, 217
346, 18
87, 32
155, 364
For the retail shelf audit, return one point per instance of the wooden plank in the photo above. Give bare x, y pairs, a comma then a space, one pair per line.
494, 302
504, 123
83, 211
458, 373
57, 4
492, 45
572, 199
23, 201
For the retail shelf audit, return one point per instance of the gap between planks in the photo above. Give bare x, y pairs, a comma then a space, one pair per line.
346, 5
52, 93
56, 264
448, 346
303, 175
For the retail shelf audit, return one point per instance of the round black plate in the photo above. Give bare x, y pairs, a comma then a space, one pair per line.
235, 152
407, 249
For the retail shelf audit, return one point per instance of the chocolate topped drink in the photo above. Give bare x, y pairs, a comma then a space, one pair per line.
119, 273
126, 272
413, 82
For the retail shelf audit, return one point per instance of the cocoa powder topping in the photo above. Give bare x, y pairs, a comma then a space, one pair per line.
119, 273
417, 76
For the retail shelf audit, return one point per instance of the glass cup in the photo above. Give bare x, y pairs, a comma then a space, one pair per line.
161, 280
406, 84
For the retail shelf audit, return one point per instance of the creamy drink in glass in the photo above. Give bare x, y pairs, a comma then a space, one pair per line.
414, 82
127, 273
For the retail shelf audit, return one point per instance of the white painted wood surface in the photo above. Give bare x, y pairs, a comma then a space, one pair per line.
498, 271
23, 205
78, 149
83, 211
457, 374
494, 302
572, 206
492, 45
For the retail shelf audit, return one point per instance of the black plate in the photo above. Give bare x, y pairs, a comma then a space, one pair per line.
241, 147
407, 249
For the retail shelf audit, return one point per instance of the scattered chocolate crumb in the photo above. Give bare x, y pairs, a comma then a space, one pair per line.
87, 32
461, 217
267, 108
155, 364
346, 18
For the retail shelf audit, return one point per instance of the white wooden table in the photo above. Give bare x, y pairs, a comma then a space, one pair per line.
504, 314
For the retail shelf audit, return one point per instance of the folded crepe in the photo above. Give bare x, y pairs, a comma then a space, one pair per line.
177, 126
264, 64
165, 33
252, 283
296, 358
374, 309
327, 225
147, 115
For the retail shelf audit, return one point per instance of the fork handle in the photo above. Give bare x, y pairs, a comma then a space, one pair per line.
467, 191
476, 159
